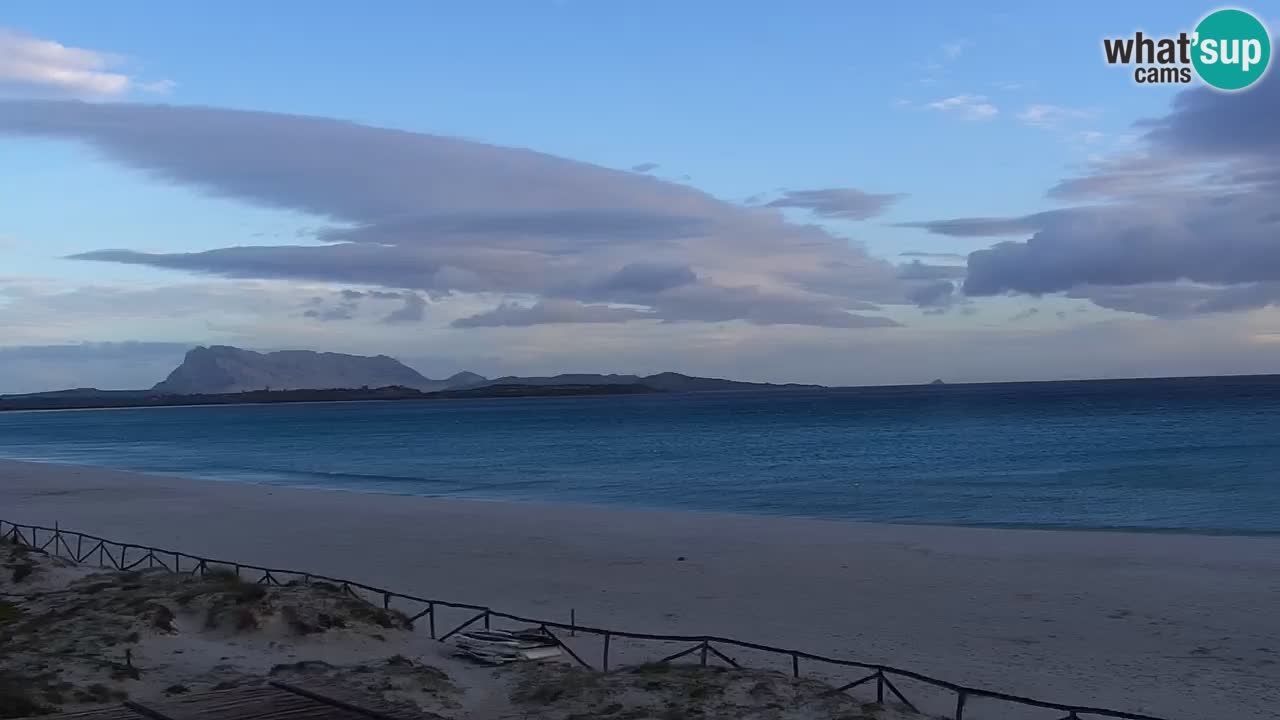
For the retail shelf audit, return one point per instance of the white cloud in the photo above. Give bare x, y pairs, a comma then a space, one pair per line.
32, 64
160, 87
956, 48
1050, 116
973, 107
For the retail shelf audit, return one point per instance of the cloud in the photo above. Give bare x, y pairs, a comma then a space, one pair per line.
979, 226
1187, 224
645, 278
916, 270
934, 255
971, 107
1051, 116
1214, 125
1196, 239
411, 211
159, 87
413, 310
645, 167
1181, 299
34, 65
842, 203
347, 304
939, 294
705, 302
548, 312
955, 48
341, 312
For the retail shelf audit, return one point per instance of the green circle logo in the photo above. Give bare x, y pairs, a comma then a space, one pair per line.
1232, 49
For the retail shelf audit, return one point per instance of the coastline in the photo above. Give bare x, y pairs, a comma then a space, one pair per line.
1164, 623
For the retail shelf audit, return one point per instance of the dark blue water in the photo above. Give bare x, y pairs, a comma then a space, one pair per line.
1197, 454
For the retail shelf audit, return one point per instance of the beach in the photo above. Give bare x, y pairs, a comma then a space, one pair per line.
1180, 626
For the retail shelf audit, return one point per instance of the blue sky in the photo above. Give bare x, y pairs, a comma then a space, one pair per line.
958, 111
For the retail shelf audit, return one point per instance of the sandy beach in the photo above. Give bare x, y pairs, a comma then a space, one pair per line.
1173, 625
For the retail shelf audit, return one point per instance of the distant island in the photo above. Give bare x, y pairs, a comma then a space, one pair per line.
225, 375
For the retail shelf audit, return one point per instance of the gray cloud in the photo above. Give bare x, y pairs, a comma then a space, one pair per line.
933, 255
1181, 299
842, 203
413, 310
916, 270
1200, 239
439, 214
705, 302
647, 278
686, 302
1214, 124
1188, 224
347, 304
979, 226
645, 167
939, 294
341, 312
339, 169
1157, 299
548, 312
547, 231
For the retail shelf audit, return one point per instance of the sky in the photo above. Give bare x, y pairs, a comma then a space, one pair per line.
820, 192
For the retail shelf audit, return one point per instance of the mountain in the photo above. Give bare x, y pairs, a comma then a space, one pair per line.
463, 379
77, 393
675, 382
222, 374
224, 369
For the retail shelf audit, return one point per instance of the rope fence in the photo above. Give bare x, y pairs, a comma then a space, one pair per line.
85, 548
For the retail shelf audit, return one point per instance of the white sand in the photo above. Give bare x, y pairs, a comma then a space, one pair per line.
1174, 625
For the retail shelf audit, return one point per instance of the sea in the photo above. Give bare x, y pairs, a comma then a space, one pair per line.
1185, 455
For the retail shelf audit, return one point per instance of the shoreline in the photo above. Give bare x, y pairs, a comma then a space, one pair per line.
590, 507
1168, 624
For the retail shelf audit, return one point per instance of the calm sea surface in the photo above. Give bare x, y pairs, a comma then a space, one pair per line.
1197, 454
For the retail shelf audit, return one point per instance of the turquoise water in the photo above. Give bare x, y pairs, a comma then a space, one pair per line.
1199, 454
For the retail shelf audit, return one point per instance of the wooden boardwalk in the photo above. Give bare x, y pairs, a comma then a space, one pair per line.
273, 701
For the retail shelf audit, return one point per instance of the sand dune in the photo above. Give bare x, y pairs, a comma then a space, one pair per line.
73, 638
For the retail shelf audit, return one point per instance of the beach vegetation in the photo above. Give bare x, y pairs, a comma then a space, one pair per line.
9, 612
